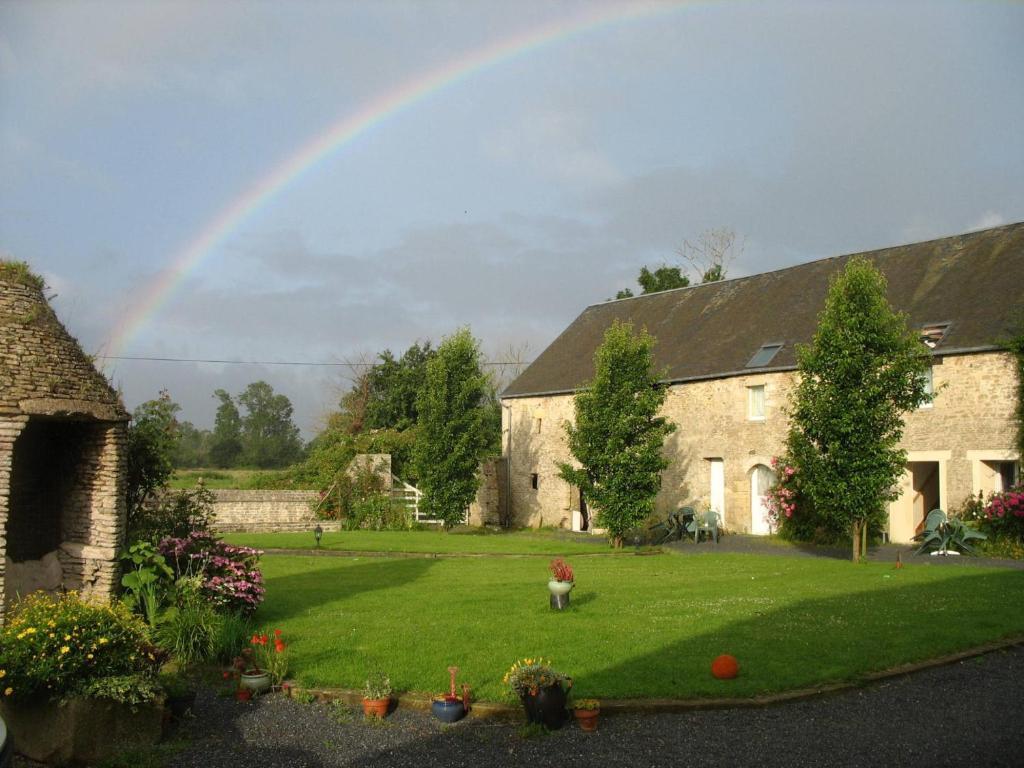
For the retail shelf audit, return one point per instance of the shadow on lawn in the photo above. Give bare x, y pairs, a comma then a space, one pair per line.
297, 594
776, 652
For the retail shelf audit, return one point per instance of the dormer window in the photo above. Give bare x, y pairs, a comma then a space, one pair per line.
932, 334
764, 355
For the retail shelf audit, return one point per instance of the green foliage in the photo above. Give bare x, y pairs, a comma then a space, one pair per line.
147, 577
192, 448
226, 441
152, 435
377, 685
663, 278
862, 372
20, 272
190, 628
943, 533
137, 688
56, 646
454, 421
393, 386
269, 437
174, 514
618, 436
233, 633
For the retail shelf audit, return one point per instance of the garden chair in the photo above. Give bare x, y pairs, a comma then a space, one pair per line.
707, 522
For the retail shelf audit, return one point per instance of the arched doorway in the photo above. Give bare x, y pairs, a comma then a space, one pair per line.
761, 481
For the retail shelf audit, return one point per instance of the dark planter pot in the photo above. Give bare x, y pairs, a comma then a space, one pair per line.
180, 706
448, 710
546, 707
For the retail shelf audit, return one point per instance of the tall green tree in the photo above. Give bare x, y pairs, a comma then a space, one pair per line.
618, 436
269, 436
454, 420
393, 387
664, 278
152, 438
863, 371
192, 448
226, 441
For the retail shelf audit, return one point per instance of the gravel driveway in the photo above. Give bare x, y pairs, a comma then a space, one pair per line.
965, 714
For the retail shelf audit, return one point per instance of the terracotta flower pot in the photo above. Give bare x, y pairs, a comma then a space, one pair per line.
376, 707
587, 718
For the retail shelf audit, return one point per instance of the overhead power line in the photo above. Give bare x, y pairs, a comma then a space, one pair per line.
316, 364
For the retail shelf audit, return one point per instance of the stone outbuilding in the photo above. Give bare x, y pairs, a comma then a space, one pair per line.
728, 353
62, 453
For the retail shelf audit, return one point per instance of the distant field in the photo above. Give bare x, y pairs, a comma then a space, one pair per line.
234, 479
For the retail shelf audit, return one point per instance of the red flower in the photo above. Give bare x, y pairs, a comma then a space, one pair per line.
279, 646
255, 640
277, 633
263, 639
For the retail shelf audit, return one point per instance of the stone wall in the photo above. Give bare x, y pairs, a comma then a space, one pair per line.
265, 511
487, 508
970, 419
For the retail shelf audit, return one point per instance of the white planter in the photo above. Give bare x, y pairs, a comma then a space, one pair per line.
560, 587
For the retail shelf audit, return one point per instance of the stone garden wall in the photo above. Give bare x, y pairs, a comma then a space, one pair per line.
266, 511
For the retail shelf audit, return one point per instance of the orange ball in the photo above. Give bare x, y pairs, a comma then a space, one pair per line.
725, 667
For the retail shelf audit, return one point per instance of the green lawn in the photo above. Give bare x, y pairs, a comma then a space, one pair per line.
637, 626
465, 541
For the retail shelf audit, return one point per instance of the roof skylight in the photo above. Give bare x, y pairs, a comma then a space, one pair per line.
764, 355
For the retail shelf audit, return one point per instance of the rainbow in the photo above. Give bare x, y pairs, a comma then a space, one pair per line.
156, 295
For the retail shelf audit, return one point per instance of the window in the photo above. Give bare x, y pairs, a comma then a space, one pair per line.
764, 355
929, 388
933, 334
755, 403
1009, 474
534, 480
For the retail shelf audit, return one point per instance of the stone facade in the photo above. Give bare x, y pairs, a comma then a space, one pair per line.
968, 429
488, 506
62, 454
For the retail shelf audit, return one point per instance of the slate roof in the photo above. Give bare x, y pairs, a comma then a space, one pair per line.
974, 282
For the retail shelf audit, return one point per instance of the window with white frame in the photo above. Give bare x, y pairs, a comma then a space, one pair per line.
755, 402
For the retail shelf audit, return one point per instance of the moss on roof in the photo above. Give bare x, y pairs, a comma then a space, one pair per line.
19, 272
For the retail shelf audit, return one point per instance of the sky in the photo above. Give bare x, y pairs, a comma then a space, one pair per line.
319, 181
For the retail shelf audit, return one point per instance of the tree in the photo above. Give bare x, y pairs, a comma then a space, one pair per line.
152, 436
453, 425
708, 259
394, 386
618, 436
269, 437
192, 448
863, 371
226, 441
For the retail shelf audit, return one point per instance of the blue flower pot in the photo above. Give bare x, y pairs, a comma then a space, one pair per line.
448, 711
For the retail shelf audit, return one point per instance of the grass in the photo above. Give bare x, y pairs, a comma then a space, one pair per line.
233, 479
479, 541
636, 627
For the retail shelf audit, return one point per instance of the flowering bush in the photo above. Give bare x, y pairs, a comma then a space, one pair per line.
527, 676
560, 570
781, 497
57, 646
231, 579
1004, 513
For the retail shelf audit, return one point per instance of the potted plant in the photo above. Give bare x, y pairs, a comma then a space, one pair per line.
586, 711
181, 694
561, 583
541, 690
448, 707
376, 695
264, 665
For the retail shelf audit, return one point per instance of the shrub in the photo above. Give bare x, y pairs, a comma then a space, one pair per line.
233, 632
60, 646
232, 580
527, 676
174, 514
1004, 514
190, 628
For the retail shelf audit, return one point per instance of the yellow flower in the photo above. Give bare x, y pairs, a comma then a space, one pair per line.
8, 692
103, 641
3, 674
88, 655
64, 649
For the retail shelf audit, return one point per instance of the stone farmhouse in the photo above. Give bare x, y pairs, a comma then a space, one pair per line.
62, 454
727, 352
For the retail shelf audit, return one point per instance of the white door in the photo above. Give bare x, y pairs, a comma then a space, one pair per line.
717, 498
761, 480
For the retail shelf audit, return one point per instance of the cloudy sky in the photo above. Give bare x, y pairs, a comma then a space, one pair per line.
493, 164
